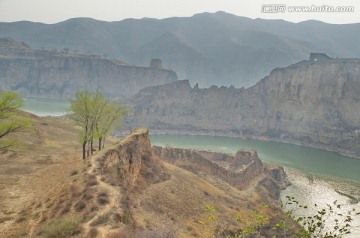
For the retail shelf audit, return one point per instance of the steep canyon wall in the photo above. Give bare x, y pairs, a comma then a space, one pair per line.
42, 73
313, 103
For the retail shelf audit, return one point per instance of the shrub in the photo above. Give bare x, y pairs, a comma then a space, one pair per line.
79, 206
91, 182
326, 222
88, 194
93, 232
103, 198
61, 228
102, 219
67, 208
117, 234
75, 191
21, 234
74, 172
127, 218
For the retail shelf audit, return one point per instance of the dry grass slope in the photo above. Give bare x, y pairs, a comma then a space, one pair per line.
121, 191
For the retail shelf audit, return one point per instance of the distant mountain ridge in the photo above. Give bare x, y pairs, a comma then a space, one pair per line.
208, 48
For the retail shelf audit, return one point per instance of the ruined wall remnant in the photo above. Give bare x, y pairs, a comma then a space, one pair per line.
239, 170
156, 63
121, 163
319, 57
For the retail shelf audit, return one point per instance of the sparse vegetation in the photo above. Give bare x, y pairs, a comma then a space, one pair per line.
103, 200
111, 115
96, 115
79, 206
62, 228
101, 219
117, 234
75, 191
20, 234
127, 218
88, 194
91, 181
10, 121
327, 222
253, 225
74, 172
66, 208
93, 232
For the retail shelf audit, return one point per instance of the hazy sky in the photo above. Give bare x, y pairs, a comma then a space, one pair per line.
52, 11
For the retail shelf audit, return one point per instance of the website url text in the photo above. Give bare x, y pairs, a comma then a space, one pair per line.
282, 8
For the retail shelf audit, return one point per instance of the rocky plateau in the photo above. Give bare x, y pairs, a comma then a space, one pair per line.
59, 74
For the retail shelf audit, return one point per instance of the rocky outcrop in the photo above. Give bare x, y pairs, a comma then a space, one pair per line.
122, 163
276, 181
241, 170
312, 103
42, 73
279, 175
126, 161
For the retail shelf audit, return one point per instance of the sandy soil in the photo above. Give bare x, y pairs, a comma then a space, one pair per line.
37, 169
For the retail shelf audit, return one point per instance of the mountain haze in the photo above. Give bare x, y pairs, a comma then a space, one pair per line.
208, 48
59, 74
314, 103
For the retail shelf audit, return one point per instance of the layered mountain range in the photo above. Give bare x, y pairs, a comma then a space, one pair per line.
313, 103
59, 74
208, 48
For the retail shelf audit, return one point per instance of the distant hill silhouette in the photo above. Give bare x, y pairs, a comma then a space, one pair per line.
208, 48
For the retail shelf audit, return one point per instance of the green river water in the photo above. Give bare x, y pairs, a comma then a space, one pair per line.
298, 157
46, 106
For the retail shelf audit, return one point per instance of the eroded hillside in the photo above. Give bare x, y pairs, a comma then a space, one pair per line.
129, 189
35, 173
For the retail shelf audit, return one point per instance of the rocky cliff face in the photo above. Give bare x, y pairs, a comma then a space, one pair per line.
122, 163
59, 74
313, 103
